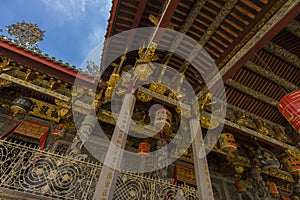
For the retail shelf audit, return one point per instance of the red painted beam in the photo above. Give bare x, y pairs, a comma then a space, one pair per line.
113, 15
169, 13
282, 24
112, 18
167, 17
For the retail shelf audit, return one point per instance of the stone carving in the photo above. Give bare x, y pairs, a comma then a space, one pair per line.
75, 149
260, 191
87, 128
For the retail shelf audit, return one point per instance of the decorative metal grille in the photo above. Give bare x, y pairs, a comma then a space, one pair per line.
47, 174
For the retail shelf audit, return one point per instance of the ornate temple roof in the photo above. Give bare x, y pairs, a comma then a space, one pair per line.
255, 45
42, 62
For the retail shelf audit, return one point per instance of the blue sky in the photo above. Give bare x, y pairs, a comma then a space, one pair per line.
73, 27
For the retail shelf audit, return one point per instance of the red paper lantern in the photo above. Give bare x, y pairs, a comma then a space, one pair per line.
227, 142
163, 118
20, 106
289, 106
144, 148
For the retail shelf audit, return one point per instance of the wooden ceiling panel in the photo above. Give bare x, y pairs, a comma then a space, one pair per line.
277, 66
288, 41
222, 37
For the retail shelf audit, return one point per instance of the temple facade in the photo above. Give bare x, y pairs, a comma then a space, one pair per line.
195, 99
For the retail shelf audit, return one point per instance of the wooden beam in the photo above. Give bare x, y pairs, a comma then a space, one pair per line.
258, 136
111, 22
270, 76
137, 20
294, 28
283, 54
185, 27
276, 23
226, 9
280, 19
166, 17
112, 18
249, 91
236, 128
248, 29
169, 13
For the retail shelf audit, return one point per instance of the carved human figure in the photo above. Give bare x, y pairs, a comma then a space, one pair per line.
75, 149
260, 191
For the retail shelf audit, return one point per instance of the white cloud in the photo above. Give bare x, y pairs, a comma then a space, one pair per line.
72, 10
89, 18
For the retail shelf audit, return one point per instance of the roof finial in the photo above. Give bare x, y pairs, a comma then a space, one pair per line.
27, 34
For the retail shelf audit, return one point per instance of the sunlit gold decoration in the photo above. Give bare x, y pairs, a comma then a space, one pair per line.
64, 108
155, 21
292, 162
34, 87
27, 34
5, 83
28, 73
141, 96
206, 122
156, 87
281, 135
97, 100
242, 120
143, 66
45, 110
59, 131
77, 92
143, 71
206, 100
262, 128
5, 64
113, 80
183, 112
238, 169
178, 93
